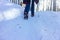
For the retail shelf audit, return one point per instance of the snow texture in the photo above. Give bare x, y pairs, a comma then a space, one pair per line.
43, 26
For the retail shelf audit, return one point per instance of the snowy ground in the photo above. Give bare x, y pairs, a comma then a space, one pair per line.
43, 26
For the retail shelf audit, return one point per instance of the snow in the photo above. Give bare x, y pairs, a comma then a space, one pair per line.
9, 10
43, 26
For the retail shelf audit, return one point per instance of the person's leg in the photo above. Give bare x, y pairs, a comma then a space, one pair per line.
26, 11
32, 8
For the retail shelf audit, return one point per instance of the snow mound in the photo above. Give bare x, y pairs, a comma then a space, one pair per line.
9, 11
11, 14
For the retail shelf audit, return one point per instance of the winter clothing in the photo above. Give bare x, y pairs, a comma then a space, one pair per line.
25, 15
36, 1
28, 2
32, 8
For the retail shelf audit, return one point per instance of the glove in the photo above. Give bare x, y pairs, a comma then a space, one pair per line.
36, 1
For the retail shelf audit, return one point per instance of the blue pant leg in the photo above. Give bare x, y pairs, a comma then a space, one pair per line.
27, 8
32, 7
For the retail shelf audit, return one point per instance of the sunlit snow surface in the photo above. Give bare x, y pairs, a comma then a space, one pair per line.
43, 26
9, 10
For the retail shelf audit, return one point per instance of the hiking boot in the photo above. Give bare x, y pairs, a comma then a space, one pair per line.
25, 15
32, 14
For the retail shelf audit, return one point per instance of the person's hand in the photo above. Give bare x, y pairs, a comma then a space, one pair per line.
36, 1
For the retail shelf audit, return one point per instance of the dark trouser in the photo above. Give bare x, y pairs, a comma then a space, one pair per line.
32, 7
28, 7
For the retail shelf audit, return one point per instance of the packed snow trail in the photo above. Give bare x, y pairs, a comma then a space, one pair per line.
44, 26
18, 29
